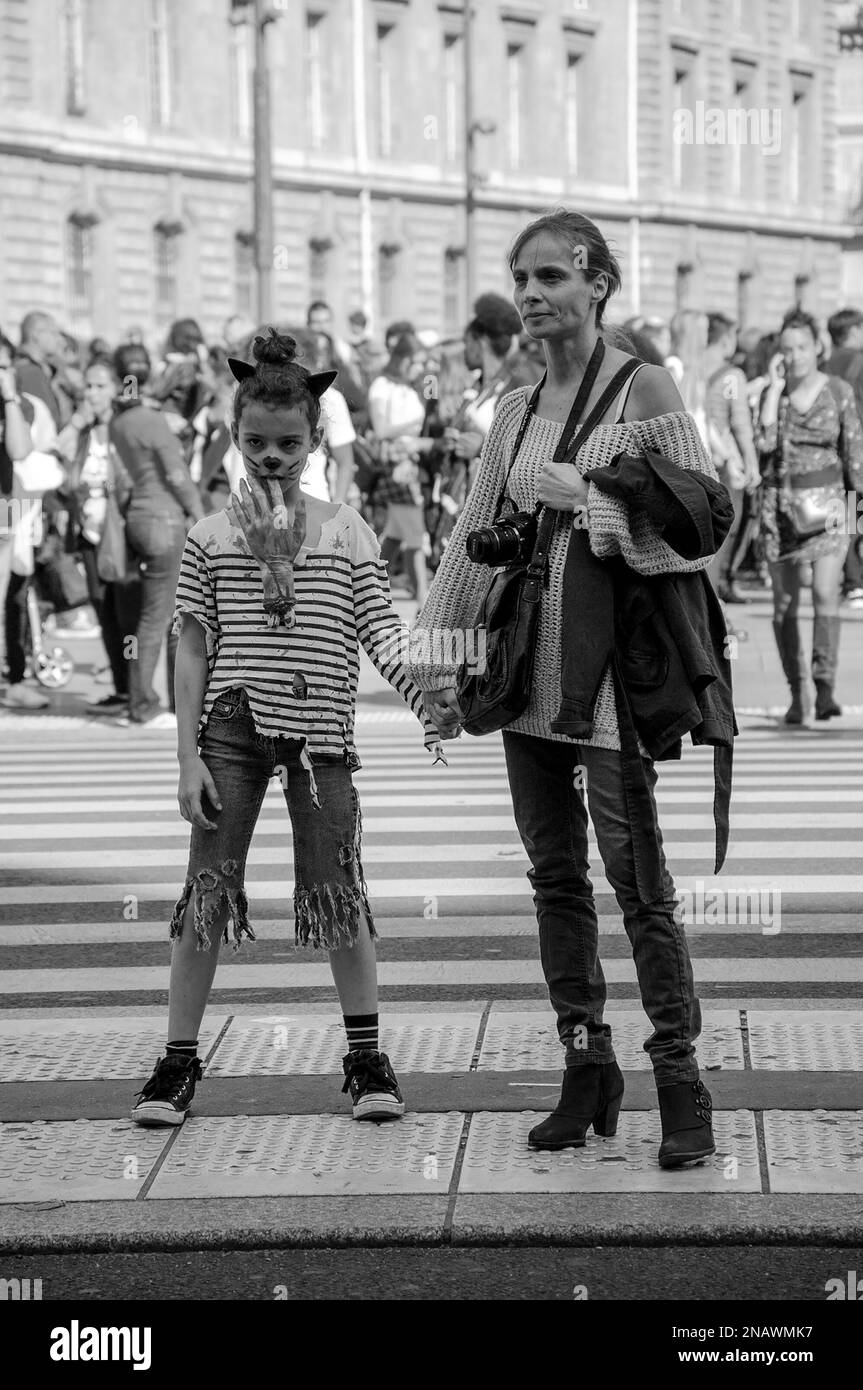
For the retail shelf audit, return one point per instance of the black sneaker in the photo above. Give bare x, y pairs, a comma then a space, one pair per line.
166, 1098
372, 1083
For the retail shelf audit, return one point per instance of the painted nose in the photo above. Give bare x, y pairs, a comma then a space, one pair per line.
272, 464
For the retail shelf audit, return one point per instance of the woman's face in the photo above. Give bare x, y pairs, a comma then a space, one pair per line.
799, 352
99, 390
550, 290
275, 442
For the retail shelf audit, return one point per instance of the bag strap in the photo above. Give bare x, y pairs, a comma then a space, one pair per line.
572, 419
549, 516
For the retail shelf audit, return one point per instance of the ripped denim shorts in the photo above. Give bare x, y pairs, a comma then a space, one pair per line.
330, 894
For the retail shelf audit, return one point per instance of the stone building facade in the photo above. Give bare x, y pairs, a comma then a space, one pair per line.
700, 134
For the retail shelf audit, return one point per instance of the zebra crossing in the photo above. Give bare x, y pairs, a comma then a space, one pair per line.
92, 859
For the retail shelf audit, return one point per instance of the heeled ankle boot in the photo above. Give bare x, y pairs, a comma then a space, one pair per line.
685, 1110
591, 1095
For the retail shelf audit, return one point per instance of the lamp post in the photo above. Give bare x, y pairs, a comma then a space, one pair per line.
262, 13
472, 128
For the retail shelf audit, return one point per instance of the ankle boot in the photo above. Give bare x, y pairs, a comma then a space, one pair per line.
825, 658
591, 1095
787, 634
687, 1133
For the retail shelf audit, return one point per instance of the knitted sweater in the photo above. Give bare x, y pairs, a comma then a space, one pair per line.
459, 585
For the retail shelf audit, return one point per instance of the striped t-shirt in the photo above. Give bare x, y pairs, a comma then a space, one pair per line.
301, 682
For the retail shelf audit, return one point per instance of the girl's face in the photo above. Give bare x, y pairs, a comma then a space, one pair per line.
799, 352
275, 442
99, 390
550, 289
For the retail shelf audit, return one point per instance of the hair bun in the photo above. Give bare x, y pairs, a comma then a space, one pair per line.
277, 350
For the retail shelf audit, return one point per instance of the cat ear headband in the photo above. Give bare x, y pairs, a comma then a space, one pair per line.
317, 382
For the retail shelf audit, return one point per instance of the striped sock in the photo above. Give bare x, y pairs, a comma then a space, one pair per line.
362, 1032
183, 1048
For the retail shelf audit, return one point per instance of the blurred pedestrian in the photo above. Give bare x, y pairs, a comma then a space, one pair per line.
846, 361
396, 413
163, 501
732, 446
811, 432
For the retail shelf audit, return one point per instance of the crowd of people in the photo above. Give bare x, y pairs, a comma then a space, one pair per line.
112, 453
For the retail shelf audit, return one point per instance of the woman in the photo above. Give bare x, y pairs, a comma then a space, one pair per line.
563, 274
16, 416
93, 470
811, 433
163, 501
396, 415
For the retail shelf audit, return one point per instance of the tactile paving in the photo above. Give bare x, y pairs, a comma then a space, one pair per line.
814, 1150
529, 1042
307, 1155
820, 1040
77, 1049
76, 1160
309, 1044
497, 1158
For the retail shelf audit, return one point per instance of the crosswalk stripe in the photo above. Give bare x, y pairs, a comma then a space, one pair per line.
287, 975
791, 850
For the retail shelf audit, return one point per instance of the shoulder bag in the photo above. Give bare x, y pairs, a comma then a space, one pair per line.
490, 698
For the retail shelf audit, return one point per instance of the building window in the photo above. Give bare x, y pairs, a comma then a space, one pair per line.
683, 286
383, 65
801, 292
158, 53
244, 273
744, 299
679, 99
453, 288
166, 256
315, 110
73, 25
79, 270
388, 255
241, 80
319, 267
452, 96
573, 76
798, 145
514, 99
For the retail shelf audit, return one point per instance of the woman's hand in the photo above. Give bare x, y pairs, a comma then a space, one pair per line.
776, 373
468, 445
8, 387
561, 487
195, 783
442, 708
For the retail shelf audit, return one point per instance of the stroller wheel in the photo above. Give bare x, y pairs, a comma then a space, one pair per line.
53, 667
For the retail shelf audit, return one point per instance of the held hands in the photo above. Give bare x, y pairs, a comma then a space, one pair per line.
441, 707
561, 487
195, 784
274, 536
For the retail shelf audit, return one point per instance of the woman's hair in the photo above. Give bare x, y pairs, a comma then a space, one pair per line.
759, 357
496, 319
105, 363
184, 336
688, 342
576, 230
631, 340
279, 379
798, 318
132, 359
402, 349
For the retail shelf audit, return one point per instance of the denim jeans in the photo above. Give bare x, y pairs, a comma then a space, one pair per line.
552, 819
330, 895
157, 542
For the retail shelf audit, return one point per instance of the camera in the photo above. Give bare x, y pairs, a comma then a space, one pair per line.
509, 541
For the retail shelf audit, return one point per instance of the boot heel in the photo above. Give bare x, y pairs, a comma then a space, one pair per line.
605, 1120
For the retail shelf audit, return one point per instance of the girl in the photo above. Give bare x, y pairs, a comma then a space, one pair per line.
275, 594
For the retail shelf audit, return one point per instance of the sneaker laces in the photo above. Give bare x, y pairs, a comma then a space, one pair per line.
371, 1072
170, 1077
